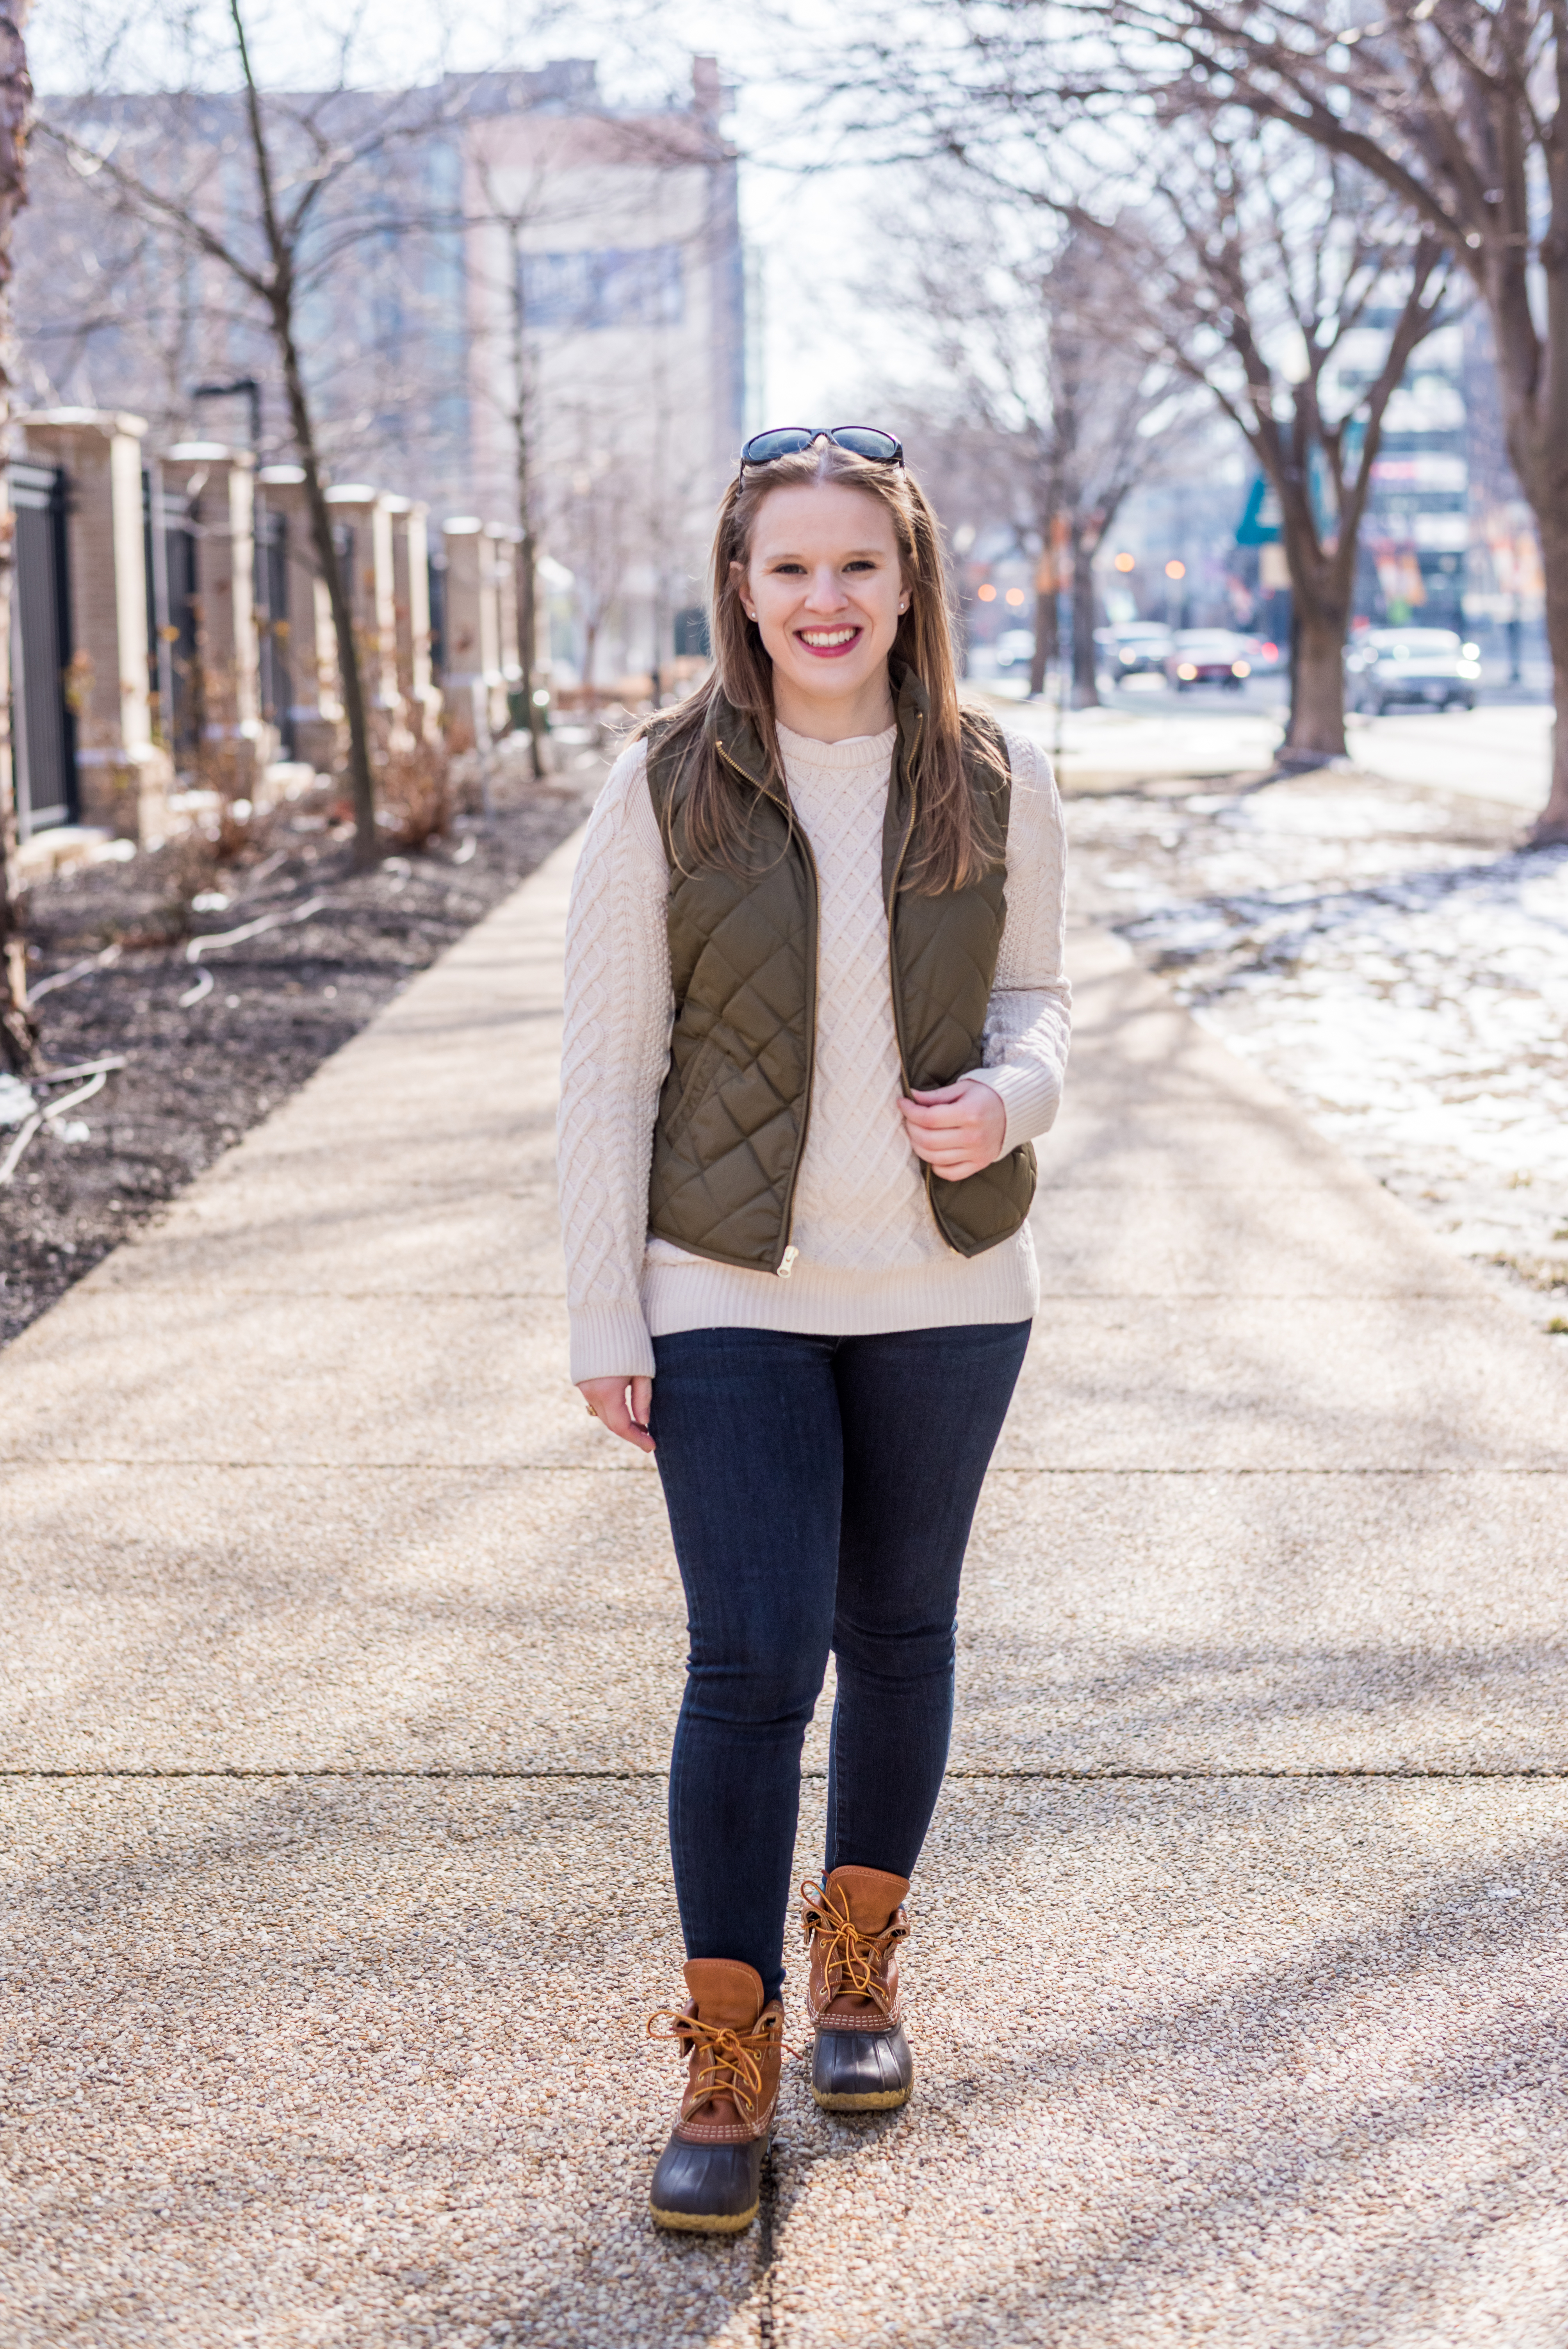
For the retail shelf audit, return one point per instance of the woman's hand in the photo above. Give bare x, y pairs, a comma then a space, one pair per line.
958, 1129
623, 1406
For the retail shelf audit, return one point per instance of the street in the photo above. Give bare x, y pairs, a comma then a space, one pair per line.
1500, 752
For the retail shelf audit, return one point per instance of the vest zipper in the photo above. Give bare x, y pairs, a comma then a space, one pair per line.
784, 1264
893, 991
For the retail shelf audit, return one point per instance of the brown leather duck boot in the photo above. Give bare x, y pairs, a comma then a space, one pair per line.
710, 2174
854, 1922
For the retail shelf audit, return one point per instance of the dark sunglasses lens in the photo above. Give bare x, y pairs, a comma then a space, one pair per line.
762, 448
864, 441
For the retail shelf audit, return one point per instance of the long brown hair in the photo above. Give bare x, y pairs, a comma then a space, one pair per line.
952, 843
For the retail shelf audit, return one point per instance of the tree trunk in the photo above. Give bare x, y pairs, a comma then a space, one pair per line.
1045, 650
1086, 684
1317, 712
362, 785
18, 1032
1321, 585
527, 591
279, 296
1530, 373
1550, 829
528, 552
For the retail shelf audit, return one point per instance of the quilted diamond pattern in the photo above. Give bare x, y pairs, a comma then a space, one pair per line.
733, 1112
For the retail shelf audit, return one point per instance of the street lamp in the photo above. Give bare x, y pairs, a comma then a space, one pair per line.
244, 388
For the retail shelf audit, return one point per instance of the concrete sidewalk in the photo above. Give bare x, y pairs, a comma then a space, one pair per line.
343, 1653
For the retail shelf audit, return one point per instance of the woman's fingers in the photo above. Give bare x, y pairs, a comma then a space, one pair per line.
955, 1117
621, 1405
953, 1154
954, 1164
937, 1149
956, 1128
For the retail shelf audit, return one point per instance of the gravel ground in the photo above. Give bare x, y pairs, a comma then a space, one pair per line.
294, 2060
199, 1075
1385, 954
1272, 2065
185, 1617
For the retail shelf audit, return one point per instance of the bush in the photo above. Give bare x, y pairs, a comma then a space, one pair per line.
417, 801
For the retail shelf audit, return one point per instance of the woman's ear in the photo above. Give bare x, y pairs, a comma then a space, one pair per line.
738, 581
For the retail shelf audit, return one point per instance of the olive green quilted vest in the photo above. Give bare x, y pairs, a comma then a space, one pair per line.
731, 1126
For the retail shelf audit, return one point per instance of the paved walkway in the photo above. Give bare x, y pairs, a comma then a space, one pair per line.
340, 1660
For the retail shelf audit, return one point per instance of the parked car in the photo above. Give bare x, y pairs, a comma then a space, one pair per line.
1134, 647
1014, 648
1430, 667
1211, 657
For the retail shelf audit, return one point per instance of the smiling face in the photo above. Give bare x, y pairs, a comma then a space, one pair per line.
824, 587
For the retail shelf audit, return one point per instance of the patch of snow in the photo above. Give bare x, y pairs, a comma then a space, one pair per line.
1410, 992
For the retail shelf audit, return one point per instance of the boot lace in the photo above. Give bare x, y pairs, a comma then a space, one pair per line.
728, 2065
852, 1961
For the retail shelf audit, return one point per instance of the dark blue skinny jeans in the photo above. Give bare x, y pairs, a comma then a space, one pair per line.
821, 1492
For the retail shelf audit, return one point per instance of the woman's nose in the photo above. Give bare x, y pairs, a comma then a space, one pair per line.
826, 594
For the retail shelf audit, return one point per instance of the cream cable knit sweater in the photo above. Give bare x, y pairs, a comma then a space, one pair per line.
870, 1257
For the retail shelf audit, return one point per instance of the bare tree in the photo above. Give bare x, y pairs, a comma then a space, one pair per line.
511, 221
1077, 409
18, 1038
1119, 406
592, 505
539, 298
1262, 263
1458, 108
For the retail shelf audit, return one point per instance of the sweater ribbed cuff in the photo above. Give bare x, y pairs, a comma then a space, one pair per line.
610, 1341
1031, 1098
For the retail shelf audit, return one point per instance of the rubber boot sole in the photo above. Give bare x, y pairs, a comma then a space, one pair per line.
885, 2100
681, 2222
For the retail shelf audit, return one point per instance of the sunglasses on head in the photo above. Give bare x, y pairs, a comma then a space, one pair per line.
788, 440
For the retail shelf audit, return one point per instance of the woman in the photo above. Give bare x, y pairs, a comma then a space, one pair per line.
816, 1015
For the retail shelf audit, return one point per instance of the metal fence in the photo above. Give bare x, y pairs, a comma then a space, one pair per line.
43, 724
272, 630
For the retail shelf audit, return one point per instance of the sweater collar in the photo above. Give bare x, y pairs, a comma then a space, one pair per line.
738, 738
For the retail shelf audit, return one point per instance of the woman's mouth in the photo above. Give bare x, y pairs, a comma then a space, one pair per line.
828, 644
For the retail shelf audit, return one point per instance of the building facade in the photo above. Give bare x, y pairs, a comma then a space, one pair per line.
526, 284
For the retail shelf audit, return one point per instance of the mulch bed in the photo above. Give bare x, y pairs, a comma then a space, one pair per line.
198, 1074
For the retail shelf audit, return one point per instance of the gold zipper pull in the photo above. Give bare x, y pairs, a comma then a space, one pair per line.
787, 1265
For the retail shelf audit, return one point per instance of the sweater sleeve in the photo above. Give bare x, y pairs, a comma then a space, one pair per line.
615, 1053
1028, 1018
